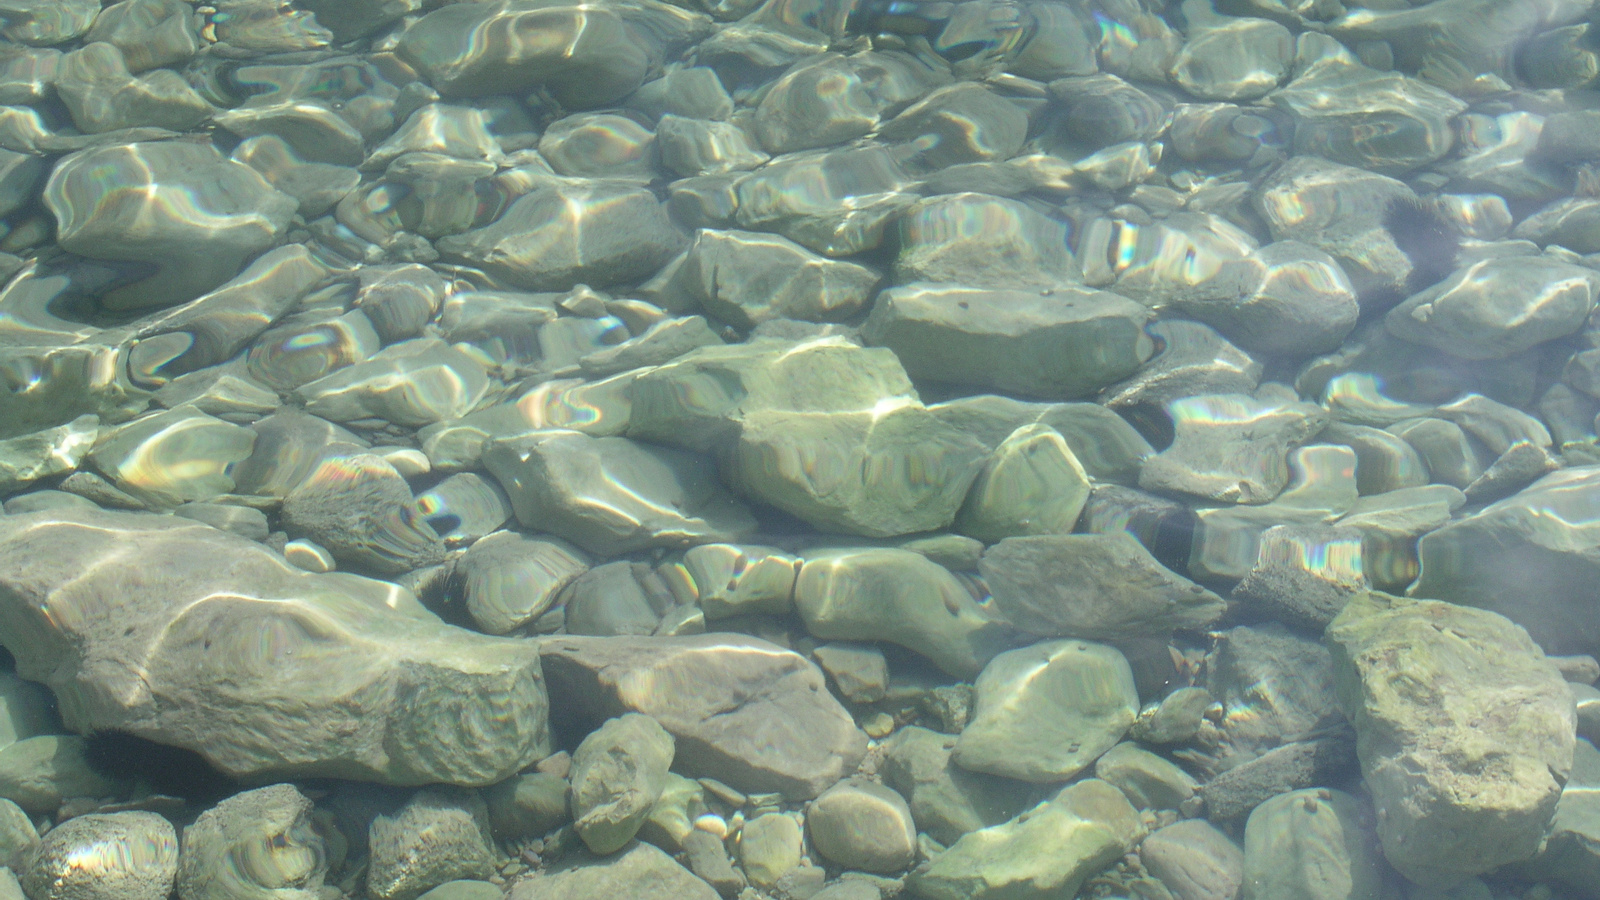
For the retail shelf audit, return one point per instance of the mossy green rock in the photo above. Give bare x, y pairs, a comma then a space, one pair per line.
1464, 729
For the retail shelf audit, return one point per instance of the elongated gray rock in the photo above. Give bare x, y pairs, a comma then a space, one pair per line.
1464, 730
746, 278
891, 470
175, 631
639, 872
740, 709
1059, 344
1092, 586
194, 213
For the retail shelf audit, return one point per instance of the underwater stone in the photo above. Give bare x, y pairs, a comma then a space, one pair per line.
1526, 557
1190, 359
836, 202
568, 231
982, 241
173, 456
52, 451
439, 835
412, 383
1094, 586
1239, 59
1498, 307
101, 95
611, 495
890, 470
618, 773
640, 872
745, 278
255, 845
509, 579
1310, 844
965, 122
1087, 826
1464, 730
742, 710
1046, 712
1194, 860
104, 856
946, 800
1383, 121
599, 145
393, 697
1231, 448
133, 203
1108, 448
359, 508
863, 826
1340, 210
1031, 484
585, 57
883, 594
1058, 344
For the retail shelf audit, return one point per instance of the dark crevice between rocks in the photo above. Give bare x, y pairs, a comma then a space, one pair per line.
161, 768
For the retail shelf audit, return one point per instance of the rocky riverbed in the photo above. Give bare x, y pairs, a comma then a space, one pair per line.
799, 450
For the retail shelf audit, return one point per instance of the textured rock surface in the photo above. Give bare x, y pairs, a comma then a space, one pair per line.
1045, 712
1464, 729
639, 871
889, 594
1048, 851
1526, 557
1095, 586
272, 828
1063, 344
437, 836
104, 856
221, 647
618, 773
740, 709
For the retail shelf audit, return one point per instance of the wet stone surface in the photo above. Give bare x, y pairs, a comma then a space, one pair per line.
775, 450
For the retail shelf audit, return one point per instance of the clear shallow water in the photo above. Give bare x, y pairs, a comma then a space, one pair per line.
1049, 449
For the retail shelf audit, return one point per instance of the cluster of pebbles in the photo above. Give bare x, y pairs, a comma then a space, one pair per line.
801, 449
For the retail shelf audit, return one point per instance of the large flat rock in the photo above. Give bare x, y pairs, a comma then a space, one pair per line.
744, 711
191, 636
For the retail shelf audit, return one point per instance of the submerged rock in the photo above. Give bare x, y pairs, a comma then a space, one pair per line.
741, 710
1464, 730
235, 652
